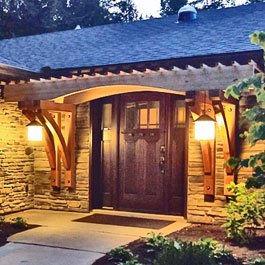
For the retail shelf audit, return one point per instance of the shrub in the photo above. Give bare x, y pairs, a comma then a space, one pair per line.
157, 242
19, 222
256, 261
122, 256
245, 211
218, 251
186, 253
2, 219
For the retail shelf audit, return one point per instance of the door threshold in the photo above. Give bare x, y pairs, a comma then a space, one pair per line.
141, 215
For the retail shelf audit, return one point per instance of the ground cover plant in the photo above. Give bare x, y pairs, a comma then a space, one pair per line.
197, 244
8, 228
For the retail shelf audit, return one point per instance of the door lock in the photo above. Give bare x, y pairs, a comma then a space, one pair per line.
162, 149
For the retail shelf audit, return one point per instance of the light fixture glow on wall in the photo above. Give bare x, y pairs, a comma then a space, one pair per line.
204, 125
34, 131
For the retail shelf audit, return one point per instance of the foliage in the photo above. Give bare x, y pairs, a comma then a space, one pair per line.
170, 252
171, 7
245, 212
122, 256
27, 17
256, 261
120, 10
19, 222
157, 242
2, 219
186, 253
255, 117
218, 251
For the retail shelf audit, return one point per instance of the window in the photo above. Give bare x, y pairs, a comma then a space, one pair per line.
142, 115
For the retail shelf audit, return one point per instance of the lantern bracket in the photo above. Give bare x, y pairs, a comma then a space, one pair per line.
199, 104
59, 143
225, 111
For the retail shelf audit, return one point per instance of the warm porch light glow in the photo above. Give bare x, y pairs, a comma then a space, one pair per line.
204, 128
34, 131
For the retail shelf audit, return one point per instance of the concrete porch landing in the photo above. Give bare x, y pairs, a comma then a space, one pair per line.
61, 241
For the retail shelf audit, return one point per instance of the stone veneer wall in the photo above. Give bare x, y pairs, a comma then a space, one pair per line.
16, 161
25, 172
65, 199
199, 210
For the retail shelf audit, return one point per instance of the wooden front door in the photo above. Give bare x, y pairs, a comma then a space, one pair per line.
142, 153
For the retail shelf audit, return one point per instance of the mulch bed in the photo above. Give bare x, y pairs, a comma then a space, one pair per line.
7, 229
195, 232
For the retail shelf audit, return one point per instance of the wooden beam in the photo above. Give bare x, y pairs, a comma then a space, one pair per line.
70, 141
56, 182
92, 94
61, 142
175, 80
57, 145
45, 105
200, 103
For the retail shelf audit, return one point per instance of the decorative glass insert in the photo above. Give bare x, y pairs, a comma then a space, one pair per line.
180, 114
106, 116
142, 115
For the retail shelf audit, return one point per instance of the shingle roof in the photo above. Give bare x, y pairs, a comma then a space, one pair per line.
214, 32
7, 62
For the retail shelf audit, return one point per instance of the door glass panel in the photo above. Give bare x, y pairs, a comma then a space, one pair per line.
180, 114
131, 115
106, 116
154, 115
143, 118
142, 115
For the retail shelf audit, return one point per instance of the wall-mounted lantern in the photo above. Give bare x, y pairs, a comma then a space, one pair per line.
204, 128
59, 141
34, 131
204, 125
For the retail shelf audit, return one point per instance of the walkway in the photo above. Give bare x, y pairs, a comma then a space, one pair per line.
60, 241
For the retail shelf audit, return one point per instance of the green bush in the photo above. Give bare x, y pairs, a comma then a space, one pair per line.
157, 242
122, 256
186, 253
245, 211
2, 219
19, 222
218, 251
256, 261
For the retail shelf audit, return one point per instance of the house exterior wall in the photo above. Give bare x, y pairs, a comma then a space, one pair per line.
200, 210
16, 161
25, 171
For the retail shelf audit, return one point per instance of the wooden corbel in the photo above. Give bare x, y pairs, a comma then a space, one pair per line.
225, 113
197, 105
59, 141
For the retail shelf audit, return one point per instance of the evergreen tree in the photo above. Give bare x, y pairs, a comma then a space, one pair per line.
120, 10
171, 7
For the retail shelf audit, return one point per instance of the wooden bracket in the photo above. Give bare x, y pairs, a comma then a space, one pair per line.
197, 106
226, 118
59, 141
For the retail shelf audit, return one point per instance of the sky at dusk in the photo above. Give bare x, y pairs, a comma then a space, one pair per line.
151, 7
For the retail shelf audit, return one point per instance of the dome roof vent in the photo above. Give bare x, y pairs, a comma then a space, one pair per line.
187, 13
